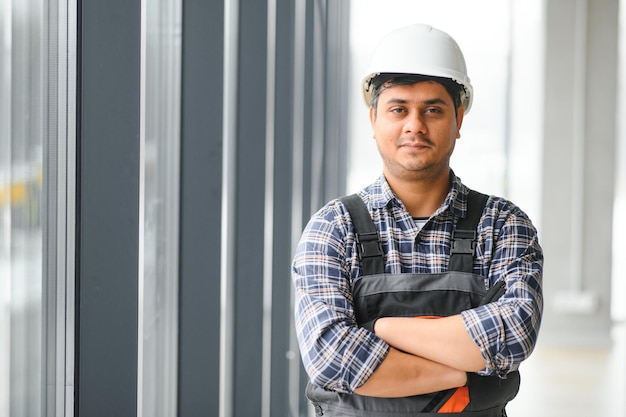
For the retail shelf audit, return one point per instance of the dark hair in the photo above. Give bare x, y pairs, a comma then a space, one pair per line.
386, 80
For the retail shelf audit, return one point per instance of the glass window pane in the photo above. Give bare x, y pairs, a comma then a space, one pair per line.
503, 57
21, 122
619, 227
486, 48
161, 101
36, 214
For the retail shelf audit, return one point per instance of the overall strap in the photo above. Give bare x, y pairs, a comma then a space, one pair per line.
369, 247
464, 234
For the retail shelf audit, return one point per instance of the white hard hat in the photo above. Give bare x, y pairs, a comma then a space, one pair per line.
422, 50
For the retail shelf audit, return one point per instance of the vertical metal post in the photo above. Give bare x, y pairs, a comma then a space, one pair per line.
107, 208
201, 197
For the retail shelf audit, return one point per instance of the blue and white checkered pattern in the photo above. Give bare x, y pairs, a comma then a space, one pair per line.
340, 356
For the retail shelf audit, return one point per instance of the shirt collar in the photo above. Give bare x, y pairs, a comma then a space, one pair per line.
456, 201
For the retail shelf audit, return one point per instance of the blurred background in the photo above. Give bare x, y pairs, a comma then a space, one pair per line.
159, 159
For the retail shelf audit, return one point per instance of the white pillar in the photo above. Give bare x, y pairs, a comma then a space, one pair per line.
580, 139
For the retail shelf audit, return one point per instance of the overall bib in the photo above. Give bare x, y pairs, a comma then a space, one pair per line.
377, 294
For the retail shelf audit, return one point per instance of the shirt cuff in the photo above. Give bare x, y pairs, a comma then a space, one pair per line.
487, 331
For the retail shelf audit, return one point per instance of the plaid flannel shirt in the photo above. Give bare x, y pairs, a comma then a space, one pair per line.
340, 356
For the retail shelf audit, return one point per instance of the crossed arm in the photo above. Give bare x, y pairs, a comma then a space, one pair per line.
426, 355
413, 367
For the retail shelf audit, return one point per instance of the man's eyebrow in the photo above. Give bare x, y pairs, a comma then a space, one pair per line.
435, 101
396, 101
429, 102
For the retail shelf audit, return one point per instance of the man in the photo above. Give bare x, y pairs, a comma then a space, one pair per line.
367, 336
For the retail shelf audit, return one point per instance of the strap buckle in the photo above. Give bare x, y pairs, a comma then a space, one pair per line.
369, 245
463, 242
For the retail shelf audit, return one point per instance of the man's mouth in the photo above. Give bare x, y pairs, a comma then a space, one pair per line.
416, 144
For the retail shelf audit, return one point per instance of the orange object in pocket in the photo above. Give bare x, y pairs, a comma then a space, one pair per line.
460, 399
457, 403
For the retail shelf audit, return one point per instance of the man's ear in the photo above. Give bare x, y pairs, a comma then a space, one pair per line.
372, 116
459, 120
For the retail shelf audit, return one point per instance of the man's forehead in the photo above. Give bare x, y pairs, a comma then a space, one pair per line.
402, 92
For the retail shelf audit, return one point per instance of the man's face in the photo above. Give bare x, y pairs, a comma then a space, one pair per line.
416, 128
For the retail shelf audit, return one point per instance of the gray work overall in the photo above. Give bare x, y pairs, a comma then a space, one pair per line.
377, 294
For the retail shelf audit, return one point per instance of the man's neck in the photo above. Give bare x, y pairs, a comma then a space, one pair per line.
421, 197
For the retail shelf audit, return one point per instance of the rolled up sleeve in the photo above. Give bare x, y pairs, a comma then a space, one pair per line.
506, 330
336, 353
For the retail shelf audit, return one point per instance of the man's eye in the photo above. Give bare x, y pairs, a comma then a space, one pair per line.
397, 110
433, 110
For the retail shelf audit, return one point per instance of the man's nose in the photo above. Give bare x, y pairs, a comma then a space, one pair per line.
415, 123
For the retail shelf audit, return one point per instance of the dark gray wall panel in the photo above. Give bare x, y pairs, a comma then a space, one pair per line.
201, 199
250, 201
108, 208
282, 186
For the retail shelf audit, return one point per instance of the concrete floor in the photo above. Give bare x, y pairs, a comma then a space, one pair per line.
574, 382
